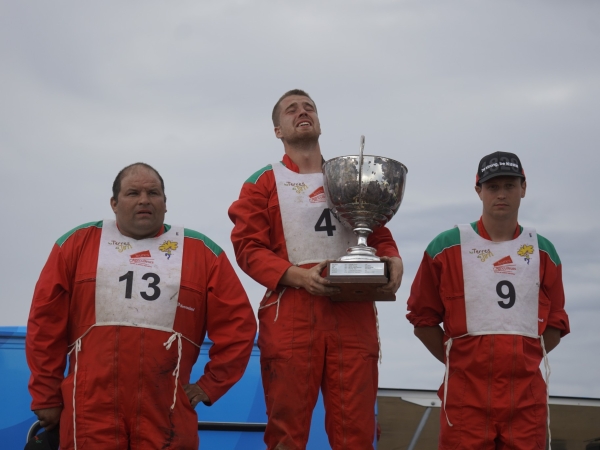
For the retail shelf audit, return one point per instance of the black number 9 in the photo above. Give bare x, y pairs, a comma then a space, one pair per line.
510, 296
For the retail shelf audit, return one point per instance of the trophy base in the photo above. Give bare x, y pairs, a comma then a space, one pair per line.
358, 281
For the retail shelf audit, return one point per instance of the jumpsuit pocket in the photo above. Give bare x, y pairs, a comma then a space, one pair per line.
450, 436
276, 325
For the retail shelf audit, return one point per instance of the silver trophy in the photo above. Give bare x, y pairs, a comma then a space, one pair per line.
364, 192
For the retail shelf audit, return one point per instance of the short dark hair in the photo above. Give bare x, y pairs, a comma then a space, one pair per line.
116, 187
275, 115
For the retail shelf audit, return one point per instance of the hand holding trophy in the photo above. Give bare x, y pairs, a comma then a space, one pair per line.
364, 192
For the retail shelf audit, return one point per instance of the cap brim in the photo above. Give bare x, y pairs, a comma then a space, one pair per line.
494, 175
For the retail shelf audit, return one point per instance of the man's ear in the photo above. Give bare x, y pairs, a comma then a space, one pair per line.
277, 131
478, 190
113, 204
524, 187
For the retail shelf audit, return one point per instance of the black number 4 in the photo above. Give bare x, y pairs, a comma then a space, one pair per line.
154, 285
510, 295
325, 217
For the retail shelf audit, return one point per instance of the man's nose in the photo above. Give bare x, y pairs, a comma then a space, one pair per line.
144, 199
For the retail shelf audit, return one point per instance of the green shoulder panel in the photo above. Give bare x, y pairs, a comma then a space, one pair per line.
207, 241
61, 240
546, 246
256, 175
442, 241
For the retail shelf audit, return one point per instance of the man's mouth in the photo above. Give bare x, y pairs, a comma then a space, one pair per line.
304, 124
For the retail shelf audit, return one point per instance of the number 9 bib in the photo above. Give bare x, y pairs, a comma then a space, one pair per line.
501, 282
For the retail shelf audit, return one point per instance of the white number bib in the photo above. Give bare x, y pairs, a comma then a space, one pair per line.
137, 281
502, 282
312, 233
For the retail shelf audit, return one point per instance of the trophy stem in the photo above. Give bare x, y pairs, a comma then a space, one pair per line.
361, 252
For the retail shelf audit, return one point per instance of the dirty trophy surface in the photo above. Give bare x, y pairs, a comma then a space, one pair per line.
364, 192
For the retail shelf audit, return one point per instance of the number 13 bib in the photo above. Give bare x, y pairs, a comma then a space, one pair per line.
312, 233
137, 281
501, 283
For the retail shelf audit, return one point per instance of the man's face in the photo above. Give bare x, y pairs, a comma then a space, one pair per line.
298, 120
501, 196
141, 204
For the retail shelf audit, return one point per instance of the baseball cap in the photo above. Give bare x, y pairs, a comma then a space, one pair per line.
499, 164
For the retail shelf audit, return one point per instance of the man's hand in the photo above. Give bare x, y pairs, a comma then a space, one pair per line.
48, 417
396, 268
309, 279
195, 394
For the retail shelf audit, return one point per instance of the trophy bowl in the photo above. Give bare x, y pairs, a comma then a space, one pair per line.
363, 192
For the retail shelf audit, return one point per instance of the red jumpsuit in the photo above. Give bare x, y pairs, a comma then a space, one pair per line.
125, 383
314, 343
496, 393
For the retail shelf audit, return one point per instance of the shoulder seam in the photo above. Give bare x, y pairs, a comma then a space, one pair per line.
61, 240
211, 245
444, 249
259, 173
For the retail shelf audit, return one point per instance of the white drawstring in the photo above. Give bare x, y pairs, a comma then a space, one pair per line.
547, 367
274, 303
378, 338
167, 345
448, 345
77, 348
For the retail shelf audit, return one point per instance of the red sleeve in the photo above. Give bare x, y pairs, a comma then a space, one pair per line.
46, 341
230, 325
552, 291
425, 305
257, 235
382, 240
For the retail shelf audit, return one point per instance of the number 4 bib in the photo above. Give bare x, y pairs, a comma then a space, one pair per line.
137, 281
312, 233
501, 283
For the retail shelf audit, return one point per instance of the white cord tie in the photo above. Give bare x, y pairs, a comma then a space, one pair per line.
378, 338
448, 345
547, 367
167, 345
277, 302
77, 348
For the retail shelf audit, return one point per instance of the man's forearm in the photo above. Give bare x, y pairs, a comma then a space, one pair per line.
551, 338
433, 339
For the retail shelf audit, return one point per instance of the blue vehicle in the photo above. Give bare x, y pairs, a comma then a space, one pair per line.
236, 422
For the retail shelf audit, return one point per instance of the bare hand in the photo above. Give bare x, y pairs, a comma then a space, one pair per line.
396, 268
48, 417
195, 394
309, 279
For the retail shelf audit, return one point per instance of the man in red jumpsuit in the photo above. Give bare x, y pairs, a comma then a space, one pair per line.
283, 235
130, 300
497, 287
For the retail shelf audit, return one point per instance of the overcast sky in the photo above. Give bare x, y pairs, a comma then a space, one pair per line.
188, 87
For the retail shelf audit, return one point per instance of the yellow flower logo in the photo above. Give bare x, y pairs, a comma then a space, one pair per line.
167, 246
525, 251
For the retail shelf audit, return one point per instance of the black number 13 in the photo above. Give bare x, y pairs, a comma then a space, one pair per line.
128, 277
